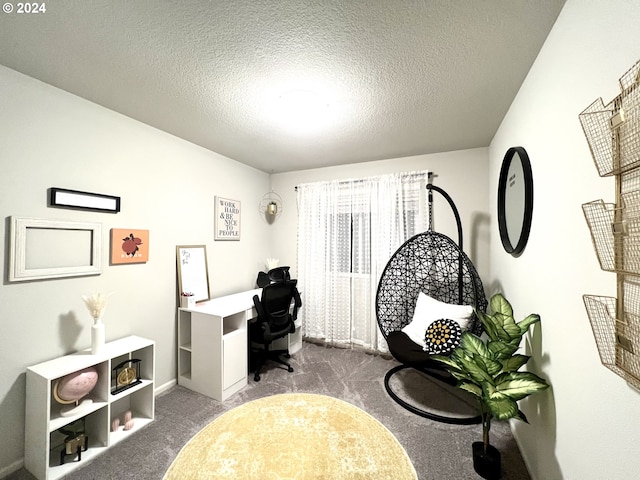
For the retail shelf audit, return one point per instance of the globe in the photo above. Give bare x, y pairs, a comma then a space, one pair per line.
71, 388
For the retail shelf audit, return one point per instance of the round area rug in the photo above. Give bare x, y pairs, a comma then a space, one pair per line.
293, 436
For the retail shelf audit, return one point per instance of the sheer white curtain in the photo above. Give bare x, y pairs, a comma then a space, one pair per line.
347, 232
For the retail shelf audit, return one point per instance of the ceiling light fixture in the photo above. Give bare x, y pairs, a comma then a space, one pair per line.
302, 111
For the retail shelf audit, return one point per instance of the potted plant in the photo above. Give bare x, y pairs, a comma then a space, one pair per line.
489, 369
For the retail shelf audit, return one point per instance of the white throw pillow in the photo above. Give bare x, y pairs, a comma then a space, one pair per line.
428, 310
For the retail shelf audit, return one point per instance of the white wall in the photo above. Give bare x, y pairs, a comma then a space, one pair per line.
587, 425
463, 175
51, 138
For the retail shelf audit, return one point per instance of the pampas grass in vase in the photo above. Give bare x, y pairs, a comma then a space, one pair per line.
271, 263
97, 304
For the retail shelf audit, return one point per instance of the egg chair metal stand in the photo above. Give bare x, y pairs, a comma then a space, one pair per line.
432, 263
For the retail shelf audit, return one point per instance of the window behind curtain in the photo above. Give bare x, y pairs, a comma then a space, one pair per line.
347, 231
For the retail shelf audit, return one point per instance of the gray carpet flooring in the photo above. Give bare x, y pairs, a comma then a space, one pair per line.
438, 451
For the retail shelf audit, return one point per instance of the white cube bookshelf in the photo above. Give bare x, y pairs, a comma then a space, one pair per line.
43, 442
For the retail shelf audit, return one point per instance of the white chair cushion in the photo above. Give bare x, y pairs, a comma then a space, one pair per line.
428, 310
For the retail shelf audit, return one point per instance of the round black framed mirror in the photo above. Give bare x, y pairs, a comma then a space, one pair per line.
515, 200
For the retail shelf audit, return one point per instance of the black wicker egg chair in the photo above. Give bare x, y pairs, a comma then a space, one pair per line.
435, 265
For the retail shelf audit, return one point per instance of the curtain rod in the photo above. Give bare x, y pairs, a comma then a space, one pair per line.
430, 176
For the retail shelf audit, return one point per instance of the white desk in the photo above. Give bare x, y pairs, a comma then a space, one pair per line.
212, 344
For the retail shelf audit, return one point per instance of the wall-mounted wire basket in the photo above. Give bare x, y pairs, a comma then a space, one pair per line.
615, 339
599, 216
613, 130
615, 232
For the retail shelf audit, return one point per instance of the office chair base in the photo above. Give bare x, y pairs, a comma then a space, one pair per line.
274, 355
424, 413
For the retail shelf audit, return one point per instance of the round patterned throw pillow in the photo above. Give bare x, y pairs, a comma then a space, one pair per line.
442, 337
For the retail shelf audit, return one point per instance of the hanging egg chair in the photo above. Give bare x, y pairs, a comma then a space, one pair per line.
427, 295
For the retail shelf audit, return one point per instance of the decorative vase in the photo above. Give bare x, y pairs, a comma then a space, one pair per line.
187, 302
486, 464
97, 336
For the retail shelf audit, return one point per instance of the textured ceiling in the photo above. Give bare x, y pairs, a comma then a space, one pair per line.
395, 77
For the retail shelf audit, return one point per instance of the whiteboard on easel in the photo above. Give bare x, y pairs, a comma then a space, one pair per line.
193, 273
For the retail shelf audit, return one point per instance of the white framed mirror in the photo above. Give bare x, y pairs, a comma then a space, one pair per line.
42, 248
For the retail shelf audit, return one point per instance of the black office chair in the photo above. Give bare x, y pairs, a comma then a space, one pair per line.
275, 320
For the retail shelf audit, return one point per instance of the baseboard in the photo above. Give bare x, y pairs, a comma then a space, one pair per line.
9, 469
523, 454
163, 388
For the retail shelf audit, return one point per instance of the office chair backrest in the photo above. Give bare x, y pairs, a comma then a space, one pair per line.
279, 275
276, 302
275, 275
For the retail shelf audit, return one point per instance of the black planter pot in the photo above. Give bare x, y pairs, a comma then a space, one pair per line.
487, 465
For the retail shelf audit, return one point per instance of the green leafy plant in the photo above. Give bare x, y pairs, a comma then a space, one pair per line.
489, 369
